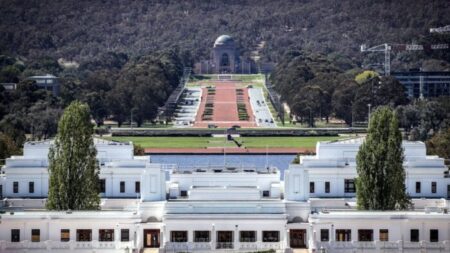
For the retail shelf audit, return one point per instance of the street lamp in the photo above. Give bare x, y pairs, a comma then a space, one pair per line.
368, 119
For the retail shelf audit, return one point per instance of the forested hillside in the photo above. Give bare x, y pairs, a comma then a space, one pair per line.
123, 58
84, 30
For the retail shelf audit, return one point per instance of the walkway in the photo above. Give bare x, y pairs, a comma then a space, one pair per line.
224, 97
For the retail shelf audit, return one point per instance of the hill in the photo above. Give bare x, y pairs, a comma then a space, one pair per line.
84, 30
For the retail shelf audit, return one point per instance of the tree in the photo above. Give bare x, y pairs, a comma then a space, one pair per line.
138, 150
422, 119
306, 83
381, 178
7, 147
378, 91
73, 167
343, 99
439, 144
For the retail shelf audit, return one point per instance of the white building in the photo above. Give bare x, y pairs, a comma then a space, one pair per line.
224, 209
47, 82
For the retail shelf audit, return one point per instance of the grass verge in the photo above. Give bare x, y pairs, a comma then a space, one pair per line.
204, 142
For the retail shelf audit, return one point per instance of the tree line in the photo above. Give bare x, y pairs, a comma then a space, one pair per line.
83, 30
314, 87
115, 88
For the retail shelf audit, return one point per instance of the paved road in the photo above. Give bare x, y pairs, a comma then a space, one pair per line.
263, 117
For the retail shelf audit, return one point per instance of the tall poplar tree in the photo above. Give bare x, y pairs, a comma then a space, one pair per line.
73, 168
381, 178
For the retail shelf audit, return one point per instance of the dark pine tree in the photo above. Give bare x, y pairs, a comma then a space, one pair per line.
379, 163
73, 167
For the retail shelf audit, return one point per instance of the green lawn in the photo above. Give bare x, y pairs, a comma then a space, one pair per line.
173, 142
284, 142
257, 80
202, 142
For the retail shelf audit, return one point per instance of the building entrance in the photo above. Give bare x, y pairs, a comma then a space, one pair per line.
151, 238
298, 238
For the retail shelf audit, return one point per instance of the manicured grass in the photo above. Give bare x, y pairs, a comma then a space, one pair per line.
173, 142
203, 142
284, 142
257, 80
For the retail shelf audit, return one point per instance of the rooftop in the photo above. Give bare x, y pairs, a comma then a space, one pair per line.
224, 40
44, 76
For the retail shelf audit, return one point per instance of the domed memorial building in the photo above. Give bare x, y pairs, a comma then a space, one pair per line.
225, 59
224, 54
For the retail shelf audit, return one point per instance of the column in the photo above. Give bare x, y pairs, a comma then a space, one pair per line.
332, 234
137, 237
288, 238
117, 236
236, 237
163, 237
312, 238
213, 237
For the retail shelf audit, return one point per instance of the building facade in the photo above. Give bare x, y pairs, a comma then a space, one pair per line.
47, 82
424, 84
162, 207
225, 59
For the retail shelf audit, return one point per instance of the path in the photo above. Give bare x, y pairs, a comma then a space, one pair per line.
225, 109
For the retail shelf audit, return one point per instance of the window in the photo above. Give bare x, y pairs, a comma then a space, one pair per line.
365, 235
349, 186
137, 187
343, 235
417, 187
414, 237
434, 235
122, 186
35, 235
183, 193
433, 187
266, 194
124, 235
15, 235
324, 235
31, 187
15, 187
384, 235
106, 235
271, 236
327, 187
102, 185
247, 236
311, 187
178, 236
201, 236
84, 235
65, 235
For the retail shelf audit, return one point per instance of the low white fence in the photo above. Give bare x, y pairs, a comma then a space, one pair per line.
70, 245
381, 246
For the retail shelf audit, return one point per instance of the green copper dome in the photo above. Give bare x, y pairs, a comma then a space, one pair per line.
224, 40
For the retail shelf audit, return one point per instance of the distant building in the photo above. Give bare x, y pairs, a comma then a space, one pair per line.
434, 84
48, 82
9, 86
225, 59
